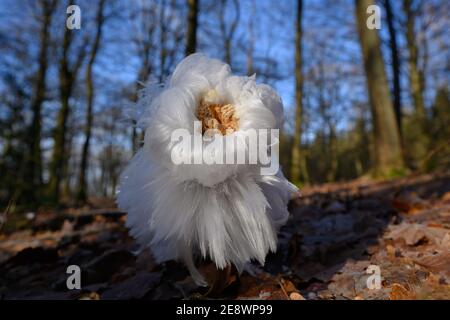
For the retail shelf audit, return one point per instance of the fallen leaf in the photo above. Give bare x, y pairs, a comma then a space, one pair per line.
408, 202
296, 296
90, 296
413, 233
438, 262
399, 292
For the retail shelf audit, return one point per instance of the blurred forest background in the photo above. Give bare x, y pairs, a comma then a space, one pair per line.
358, 102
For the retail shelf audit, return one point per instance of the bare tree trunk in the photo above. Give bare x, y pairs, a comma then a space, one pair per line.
82, 184
415, 75
67, 77
57, 164
228, 34
251, 41
149, 16
34, 159
333, 153
298, 167
191, 37
387, 138
136, 137
419, 141
162, 41
395, 64
67, 170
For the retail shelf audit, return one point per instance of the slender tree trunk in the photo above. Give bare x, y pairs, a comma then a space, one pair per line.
418, 147
251, 41
415, 75
333, 153
223, 29
227, 48
67, 77
146, 69
298, 166
162, 41
57, 163
57, 158
395, 64
67, 170
387, 138
82, 184
34, 159
228, 33
133, 139
191, 38
143, 75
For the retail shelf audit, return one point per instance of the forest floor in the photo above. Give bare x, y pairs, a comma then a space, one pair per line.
336, 234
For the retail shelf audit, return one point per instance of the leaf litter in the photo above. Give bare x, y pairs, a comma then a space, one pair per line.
335, 232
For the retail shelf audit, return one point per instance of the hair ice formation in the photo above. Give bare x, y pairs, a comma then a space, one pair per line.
230, 213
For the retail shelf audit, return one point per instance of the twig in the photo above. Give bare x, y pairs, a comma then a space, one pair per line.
282, 288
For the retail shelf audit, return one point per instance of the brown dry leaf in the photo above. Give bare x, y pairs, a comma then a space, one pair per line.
413, 233
438, 262
296, 296
67, 227
264, 287
445, 242
408, 202
321, 255
433, 288
439, 236
390, 250
288, 286
399, 292
446, 196
90, 296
